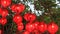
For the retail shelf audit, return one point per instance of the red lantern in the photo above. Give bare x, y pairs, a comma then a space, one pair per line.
26, 32
36, 25
17, 8
30, 27
5, 3
32, 17
1, 32
42, 27
17, 18
29, 17
20, 26
26, 16
4, 13
52, 28
0, 10
3, 21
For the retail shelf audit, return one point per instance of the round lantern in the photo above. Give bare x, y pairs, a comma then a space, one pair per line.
29, 17
52, 28
5, 3
17, 8
4, 12
42, 27
36, 23
3, 21
20, 26
17, 18
30, 27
